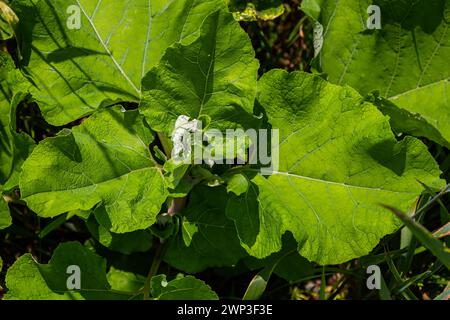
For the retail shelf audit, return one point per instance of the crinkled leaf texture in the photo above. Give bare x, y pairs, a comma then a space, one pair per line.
406, 60
339, 161
104, 162
215, 242
76, 70
213, 78
29, 280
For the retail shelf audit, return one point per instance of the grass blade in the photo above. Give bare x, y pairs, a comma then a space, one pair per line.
442, 232
322, 285
438, 248
385, 293
406, 293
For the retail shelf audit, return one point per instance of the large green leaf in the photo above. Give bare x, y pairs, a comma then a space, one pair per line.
106, 162
214, 78
29, 280
78, 70
14, 147
406, 60
214, 242
338, 161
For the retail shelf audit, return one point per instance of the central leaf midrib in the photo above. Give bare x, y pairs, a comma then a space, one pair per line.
288, 174
147, 38
445, 80
107, 51
208, 73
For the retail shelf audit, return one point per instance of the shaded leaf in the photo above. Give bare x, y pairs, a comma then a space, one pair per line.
215, 243
287, 263
106, 162
126, 243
